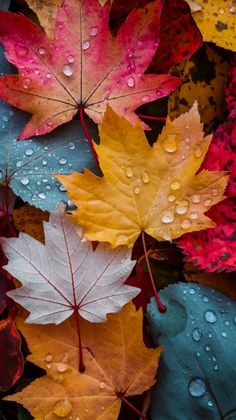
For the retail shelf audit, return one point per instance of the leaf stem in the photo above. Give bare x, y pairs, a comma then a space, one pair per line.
81, 114
152, 117
124, 399
5, 210
160, 305
81, 362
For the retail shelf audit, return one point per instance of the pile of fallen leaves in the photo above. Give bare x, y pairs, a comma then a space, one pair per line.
117, 209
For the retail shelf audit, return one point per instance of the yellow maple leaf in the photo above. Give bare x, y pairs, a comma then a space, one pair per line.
46, 10
116, 361
146, 189
217, 22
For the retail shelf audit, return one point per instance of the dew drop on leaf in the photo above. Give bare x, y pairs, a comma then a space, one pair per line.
86, 45
196, 334
145, 177
210, 403
41, 51
70, 59
62, 188
62, 161
145, 98
210, 317
48, 75
94, 31
170, 144
26, 82
171, 198
186, 224
21, 50
67, 70
182, 207
48, 357
29, 152
102, 385
196, 198
207, 202
42, 196
24, 181
61, 367
63, 408
175, 185
232, 9
193, 216
197, 387
167, 217
136, 190
130, 82
224, 334
129, 172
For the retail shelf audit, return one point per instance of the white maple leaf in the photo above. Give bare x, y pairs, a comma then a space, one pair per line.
65, 275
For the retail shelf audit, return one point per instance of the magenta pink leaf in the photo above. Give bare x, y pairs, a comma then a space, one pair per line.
84, 66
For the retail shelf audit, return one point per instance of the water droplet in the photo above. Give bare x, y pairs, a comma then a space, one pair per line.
62, 188
207, 202
136, 190
86, 45
145, 98
232, 9
198, 354
216, 367
48, 187
210, 403
187, 140
71, 59
71, 146
196, 198
19, 163
36, 71
224, 334
29, 152
196, 334
62, 161
175, 185
227, 323
67, 70
49, 123
158, 93
186, 224
205, 299
221, 11
171, 198
48, 365
182, 207
44, 162
207, 347
168, 217
48, 75
210, 316
170, 144
26, 82
215, 192
21, 50
198, 151
145, 177
102, 385
131, 82
24, 180
42, 196
193, 216
129, 172
213, 358
61, 367
63, 408
192, 291
94, 31
48, 357
41, 51
197, 387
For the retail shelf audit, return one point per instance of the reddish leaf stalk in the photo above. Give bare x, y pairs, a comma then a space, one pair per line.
124, 399
5, 211
152, 117
81, 362
160, 305
81, 114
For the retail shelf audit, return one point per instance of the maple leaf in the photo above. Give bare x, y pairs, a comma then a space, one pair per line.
117, 365
216, 21
57, 78
149, 189
66, 276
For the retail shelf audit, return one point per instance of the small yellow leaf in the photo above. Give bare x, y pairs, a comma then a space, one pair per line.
29, 219
46, 10
217, 22
115, 358
144, 188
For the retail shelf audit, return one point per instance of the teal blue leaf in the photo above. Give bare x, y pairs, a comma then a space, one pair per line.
197, 374
27, 166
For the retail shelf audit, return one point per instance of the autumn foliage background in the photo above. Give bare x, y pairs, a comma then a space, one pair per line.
117, 209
